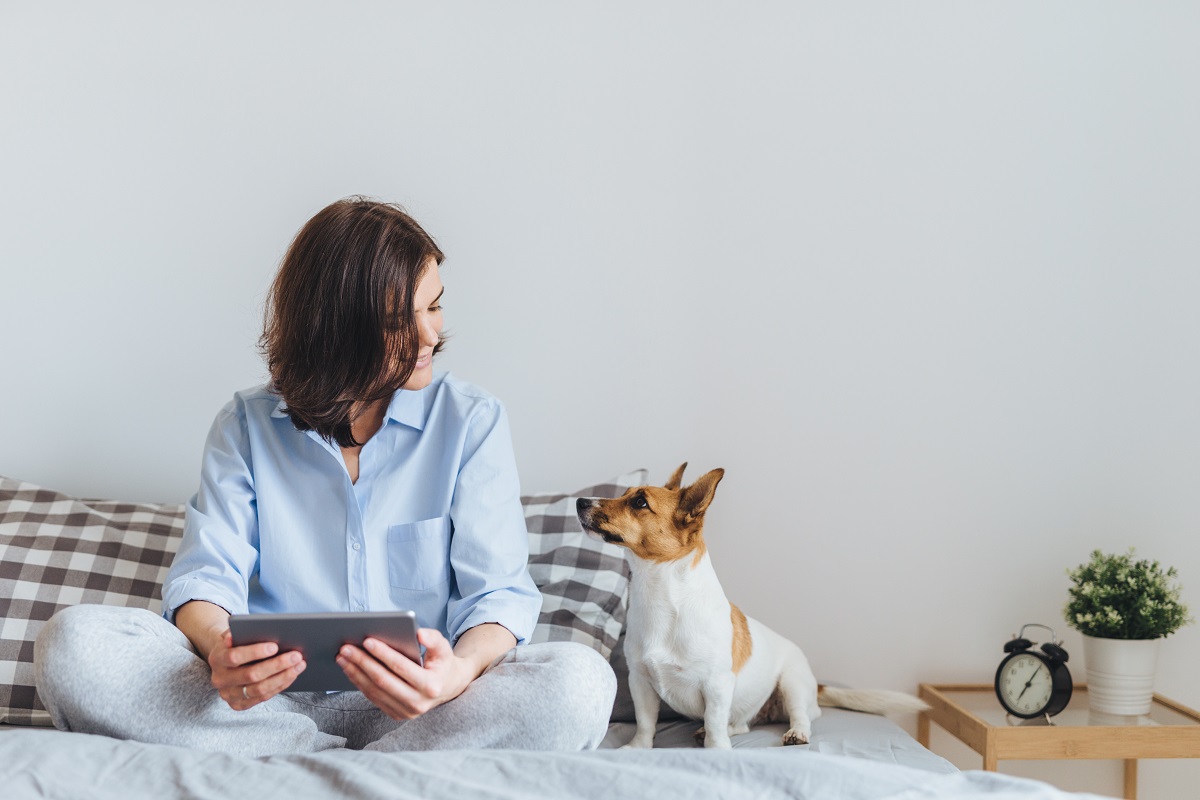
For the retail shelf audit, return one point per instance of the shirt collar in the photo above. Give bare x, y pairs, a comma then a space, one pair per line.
406, 407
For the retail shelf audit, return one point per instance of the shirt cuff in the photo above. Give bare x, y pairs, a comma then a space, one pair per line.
514, 616
191, 589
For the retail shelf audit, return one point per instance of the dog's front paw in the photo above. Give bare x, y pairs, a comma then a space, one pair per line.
639, 743
794, 736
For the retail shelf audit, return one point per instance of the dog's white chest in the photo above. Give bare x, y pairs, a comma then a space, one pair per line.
678, 689
679, 633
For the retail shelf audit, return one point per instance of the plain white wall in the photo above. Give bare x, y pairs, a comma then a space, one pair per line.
921, 277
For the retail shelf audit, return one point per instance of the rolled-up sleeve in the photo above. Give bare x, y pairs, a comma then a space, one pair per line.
219, 550
489, 550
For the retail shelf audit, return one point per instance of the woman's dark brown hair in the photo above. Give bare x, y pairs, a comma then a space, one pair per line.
339, 328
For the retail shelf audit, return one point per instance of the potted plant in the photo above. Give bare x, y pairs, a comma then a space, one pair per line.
1123, 606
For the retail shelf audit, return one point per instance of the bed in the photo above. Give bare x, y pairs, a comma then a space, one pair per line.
57, 551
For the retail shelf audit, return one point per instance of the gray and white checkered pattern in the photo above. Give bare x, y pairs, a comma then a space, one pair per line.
584, 581
57, 551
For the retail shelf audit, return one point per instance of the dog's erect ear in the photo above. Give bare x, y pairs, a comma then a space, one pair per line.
676, 478
695, 498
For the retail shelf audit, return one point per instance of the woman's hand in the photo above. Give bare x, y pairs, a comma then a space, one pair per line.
399, 686
246, 676
241, 682
404, 689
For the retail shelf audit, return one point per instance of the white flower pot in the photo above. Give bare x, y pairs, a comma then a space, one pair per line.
1120, 674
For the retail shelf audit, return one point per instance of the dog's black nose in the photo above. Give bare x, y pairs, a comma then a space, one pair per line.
583, 504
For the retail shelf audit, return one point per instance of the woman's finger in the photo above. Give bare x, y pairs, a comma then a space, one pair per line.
436, 645
244, 691
397, 663
256, 672
379, 675
262, 671
249, 653
264, 690
427, 680
390, 702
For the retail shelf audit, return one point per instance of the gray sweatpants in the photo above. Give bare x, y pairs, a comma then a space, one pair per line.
130, 674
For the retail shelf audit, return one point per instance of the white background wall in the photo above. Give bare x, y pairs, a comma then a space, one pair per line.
921, 277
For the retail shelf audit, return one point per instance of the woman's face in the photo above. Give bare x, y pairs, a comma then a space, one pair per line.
427, 312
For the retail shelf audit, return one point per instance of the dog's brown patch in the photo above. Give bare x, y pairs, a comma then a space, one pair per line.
741, 638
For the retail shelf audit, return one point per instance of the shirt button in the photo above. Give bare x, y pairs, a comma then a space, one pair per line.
357, 546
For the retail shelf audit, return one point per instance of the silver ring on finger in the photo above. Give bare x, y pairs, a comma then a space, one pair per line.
245, 694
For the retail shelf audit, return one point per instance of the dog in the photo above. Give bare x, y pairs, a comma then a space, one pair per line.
687, 645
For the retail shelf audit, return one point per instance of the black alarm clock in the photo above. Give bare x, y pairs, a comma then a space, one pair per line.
1032, 683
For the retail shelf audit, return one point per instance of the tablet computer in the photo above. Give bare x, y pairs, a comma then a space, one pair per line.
320, 636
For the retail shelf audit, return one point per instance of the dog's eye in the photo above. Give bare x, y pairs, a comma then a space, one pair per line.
639, 501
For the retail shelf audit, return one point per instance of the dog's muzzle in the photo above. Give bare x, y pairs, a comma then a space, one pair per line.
585, 509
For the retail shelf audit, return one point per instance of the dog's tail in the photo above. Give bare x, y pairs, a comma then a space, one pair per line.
872, 701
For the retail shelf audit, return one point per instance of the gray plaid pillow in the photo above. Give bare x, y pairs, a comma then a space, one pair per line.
584, 581
56, 551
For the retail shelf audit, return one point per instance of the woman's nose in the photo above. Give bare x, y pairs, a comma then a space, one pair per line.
429, 331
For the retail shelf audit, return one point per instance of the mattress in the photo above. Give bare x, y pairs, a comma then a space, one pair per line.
852, 757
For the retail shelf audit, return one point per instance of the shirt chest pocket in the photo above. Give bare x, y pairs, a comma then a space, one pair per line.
419, 553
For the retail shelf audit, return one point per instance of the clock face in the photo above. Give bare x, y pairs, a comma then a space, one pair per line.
1025, 684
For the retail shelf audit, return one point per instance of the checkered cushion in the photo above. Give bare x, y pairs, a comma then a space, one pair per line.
584, 581
56, 551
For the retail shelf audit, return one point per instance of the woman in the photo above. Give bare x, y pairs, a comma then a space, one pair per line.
356, 480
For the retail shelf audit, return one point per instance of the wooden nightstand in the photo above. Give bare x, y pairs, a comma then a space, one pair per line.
972, 714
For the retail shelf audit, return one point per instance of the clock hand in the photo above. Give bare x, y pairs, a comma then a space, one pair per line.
1029, 682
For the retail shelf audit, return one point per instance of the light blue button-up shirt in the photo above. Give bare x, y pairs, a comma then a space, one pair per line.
433, 524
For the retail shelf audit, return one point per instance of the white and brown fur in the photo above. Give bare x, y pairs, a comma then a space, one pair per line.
688, 645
